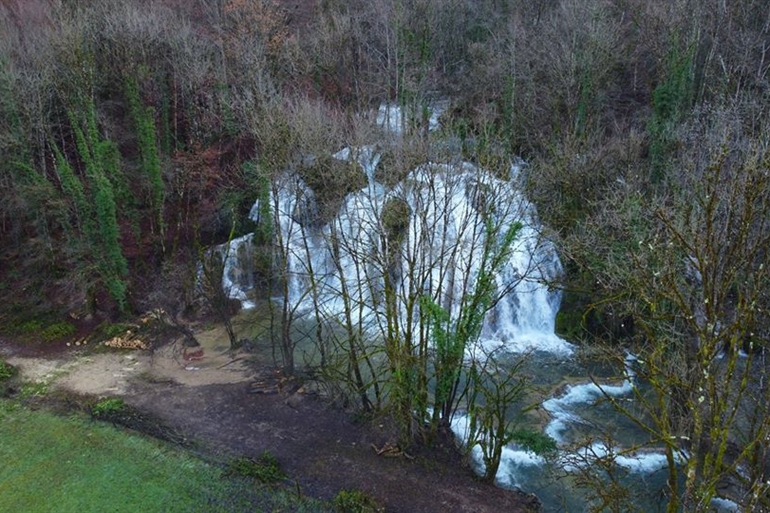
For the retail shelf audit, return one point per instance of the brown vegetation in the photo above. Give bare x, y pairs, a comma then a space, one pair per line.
134, 134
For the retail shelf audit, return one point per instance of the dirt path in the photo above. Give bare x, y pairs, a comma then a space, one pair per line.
208, 395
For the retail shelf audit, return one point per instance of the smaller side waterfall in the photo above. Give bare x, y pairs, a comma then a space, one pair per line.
237, 258
238, 269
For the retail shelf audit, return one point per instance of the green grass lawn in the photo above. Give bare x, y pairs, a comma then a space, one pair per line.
50, 463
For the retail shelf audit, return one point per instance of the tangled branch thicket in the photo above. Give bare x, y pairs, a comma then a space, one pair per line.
132, 132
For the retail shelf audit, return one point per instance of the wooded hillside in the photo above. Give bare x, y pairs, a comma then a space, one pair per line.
133, 134
136, 131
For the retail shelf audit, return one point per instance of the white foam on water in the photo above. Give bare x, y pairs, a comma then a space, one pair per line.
638, 462
562, 408
512, 461
642, 462
392, 118
722, 505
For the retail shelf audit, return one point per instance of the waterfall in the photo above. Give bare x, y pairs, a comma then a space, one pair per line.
393, 117
237, 270
237, 261
443, 213
426, 236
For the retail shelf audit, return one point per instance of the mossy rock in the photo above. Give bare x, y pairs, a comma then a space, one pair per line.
395, 219
569, 325
391, 170
331, 180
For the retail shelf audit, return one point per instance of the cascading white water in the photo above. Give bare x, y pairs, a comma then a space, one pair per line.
445, 214
393, 118
237, 260
238, 269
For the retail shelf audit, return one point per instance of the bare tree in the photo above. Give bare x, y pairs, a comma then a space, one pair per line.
689, 267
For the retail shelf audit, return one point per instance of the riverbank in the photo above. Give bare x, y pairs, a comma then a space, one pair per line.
228, 405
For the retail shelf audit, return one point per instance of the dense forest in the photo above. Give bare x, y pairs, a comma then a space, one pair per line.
135, 134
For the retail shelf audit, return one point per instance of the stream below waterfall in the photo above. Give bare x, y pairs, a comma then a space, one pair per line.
587, 429
338, 265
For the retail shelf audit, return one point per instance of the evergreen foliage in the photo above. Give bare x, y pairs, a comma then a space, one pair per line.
97, 215
671, 100
451, 337
73, 189
144, 124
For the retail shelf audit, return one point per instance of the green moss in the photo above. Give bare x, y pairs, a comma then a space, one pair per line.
265, 469
29, 327
569, 324
57, 331
7, 371
41, 326
355, 501
108, 407
395, 220
108, 331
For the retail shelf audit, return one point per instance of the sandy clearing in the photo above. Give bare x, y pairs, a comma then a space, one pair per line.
112, 373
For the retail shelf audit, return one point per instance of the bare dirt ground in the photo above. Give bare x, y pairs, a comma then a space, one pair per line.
229, 405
